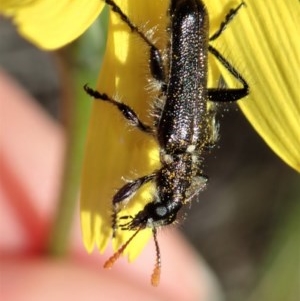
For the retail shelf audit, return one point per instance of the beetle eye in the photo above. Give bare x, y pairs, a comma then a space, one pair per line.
161, 211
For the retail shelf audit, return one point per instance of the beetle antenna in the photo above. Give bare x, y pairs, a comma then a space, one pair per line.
110, 261
155, 277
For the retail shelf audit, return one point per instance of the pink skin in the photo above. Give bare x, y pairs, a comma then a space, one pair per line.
32, 154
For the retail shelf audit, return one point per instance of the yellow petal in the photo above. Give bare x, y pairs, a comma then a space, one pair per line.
114, 149
263, 42
52, 24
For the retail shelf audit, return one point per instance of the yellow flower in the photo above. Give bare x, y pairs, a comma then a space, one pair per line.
262, 40
51, 24
115, 150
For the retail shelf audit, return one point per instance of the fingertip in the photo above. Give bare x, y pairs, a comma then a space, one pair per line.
32, 153
52, 279
184, 275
